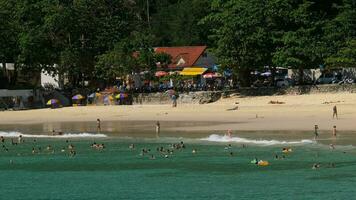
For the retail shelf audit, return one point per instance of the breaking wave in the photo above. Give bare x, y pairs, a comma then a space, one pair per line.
65, 135
220, 138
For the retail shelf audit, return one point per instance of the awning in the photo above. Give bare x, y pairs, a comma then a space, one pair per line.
193, 71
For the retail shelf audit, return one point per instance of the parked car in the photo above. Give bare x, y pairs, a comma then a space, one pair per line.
327, 78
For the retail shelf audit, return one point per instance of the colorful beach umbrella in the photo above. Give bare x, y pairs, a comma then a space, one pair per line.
77, 97
52, 102
211, 75
92, 95
121, 96
161, 73
107, 98
118, 96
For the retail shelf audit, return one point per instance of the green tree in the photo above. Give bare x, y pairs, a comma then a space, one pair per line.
241, 35
116, 63
176, 23
302, 45
340, 35
8, 38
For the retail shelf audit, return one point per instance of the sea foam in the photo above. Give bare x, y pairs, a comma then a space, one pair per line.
64, 135
224, 138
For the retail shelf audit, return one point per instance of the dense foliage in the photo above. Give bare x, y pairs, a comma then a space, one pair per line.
99, 40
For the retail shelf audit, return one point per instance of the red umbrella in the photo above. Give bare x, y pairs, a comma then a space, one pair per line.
211, 75
161, 73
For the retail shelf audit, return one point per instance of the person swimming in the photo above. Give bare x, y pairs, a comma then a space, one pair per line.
332, 147
316, 166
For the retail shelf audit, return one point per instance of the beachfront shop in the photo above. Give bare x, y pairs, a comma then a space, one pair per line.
196, 76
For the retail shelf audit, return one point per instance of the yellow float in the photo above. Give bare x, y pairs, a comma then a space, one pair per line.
263, 163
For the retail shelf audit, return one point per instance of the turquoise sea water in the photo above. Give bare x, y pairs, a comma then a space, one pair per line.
212, 173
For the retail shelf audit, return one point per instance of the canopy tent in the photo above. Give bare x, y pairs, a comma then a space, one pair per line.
193, 71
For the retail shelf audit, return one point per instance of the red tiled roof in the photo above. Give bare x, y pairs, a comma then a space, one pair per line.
185, 56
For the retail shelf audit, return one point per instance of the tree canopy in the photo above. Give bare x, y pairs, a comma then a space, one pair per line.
98, 40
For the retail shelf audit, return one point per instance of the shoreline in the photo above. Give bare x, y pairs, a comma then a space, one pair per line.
299, 112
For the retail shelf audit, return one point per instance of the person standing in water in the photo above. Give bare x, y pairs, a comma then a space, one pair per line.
316, 134
334, 131
19, 139
229, 133
158, 129
98, 125
335, 112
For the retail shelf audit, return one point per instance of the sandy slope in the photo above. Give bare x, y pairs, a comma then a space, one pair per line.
298, 113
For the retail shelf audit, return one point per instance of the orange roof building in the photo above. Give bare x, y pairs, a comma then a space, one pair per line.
187, 56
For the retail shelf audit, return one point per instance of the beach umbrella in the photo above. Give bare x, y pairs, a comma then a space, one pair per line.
161, 73
266, 74
77, 97
52, 102
92, 95
108, 98
119, 96
211, 75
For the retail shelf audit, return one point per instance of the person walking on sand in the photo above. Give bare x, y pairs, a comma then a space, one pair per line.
98, 125
334, 131
335, 112
158, 129
174, 100
316, 134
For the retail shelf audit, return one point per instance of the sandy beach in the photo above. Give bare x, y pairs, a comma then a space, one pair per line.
299, 112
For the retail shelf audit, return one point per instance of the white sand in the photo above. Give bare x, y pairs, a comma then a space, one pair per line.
299, 112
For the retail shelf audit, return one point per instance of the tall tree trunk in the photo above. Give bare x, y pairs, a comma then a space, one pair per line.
4, 78
244, 77
301, 75
13, 79
273, 75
